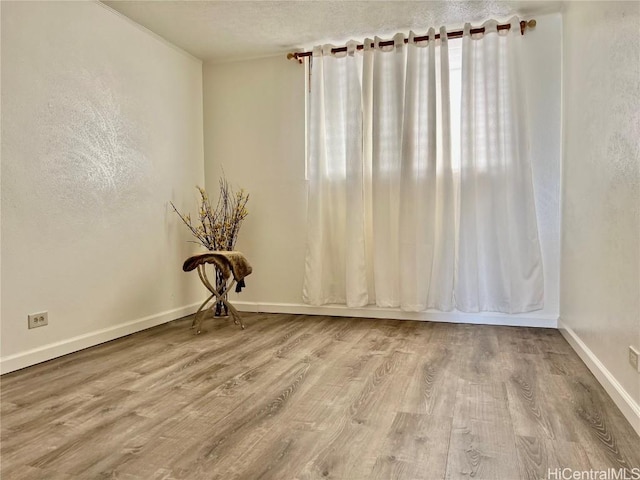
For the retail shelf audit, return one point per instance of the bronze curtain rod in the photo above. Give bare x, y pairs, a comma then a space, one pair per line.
457, 34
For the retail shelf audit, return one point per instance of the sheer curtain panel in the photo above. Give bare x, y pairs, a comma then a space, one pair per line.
335, 269
412, 185
381, 218
499, 265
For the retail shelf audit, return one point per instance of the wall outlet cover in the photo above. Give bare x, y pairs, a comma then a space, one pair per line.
38, 319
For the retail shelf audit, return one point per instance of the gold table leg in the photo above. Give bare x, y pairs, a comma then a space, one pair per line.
220, 297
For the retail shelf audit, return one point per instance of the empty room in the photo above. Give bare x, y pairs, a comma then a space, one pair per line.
320, 239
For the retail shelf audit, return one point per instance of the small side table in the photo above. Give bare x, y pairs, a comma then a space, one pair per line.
233, 266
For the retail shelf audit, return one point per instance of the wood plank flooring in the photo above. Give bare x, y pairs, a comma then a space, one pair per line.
308, 397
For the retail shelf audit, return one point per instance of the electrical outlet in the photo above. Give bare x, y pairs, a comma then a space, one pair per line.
38, 319
633, 358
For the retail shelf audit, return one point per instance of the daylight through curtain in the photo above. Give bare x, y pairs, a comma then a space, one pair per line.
385, 225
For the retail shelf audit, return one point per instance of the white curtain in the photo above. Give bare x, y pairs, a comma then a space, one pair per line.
335, 270
499, 266
380, 179
383, 216
412, 184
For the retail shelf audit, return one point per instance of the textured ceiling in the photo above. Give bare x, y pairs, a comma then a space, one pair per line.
217, 30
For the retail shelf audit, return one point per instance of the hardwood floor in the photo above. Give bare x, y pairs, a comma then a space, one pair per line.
303, 397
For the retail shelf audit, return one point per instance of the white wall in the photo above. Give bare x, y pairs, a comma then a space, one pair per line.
600, 308
254, 121
101, 127
254, 129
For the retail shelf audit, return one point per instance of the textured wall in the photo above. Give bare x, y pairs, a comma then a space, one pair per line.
101, 126
600, 287
254, 128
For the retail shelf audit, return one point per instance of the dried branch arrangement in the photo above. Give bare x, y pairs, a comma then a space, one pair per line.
219, 227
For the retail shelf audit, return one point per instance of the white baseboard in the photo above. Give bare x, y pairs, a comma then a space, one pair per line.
64, 347
520, 320
627, 405
50, 351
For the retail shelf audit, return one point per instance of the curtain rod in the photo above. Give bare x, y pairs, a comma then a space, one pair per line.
457, 34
